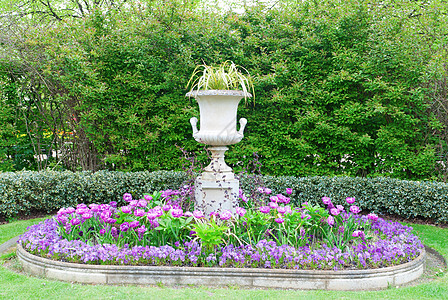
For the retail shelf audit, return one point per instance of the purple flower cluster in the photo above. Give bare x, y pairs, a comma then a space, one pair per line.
132, 223
394, 245
156, 230
276, 205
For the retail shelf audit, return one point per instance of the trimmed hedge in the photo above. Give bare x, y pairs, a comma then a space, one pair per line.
408, 199
23, 192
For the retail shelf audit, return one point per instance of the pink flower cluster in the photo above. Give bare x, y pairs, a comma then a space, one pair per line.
276, 204
336, 210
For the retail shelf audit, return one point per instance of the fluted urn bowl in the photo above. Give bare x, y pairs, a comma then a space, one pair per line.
218, 111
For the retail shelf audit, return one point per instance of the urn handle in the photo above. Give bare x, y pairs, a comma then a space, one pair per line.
243, 122
194, 122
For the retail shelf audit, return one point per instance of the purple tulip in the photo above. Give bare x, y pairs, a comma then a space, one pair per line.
87, 215
142, 203
134, 224
282, 198
334, 211
154, 223
126, 209
75, 221
326, 200
198, 214
225, 215
105, 214
148, 197
177, 212
279, 220
124, 227
286, 200
281, 210
141, 229
69, 210
372, 217
265, 209
139, 213
288, 209
127, 197
110, 221
158, 211
350, 200
330, 220
240, 211
114, 232
62, 219
354, 209
242, 196
289, 191
151, 215
273, 205
96, 208
358, 233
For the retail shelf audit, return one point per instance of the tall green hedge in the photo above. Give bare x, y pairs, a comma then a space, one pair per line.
23, 192
338, 87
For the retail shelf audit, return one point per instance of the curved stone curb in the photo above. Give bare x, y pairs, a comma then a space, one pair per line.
6, 245
437, 254
348, 280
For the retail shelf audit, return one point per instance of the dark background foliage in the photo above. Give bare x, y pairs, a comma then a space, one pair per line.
348, 89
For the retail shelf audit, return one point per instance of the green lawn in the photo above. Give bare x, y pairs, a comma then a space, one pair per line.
17, 286
10, 230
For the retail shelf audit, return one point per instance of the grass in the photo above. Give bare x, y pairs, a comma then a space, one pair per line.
18, 286
15, 228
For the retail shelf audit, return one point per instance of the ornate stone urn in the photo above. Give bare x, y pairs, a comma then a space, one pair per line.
216, 189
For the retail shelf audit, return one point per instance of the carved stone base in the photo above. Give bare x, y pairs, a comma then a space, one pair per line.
216, 196
218, 170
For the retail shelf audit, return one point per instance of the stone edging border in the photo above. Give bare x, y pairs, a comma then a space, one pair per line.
347, 280
8, 244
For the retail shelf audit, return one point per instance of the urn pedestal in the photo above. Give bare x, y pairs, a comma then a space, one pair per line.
216, 189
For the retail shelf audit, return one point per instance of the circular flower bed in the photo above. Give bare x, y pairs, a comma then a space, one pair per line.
268, 233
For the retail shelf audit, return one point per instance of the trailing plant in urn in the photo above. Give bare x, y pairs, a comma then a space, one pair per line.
226, 76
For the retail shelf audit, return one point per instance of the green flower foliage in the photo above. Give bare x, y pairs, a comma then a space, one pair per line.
47, 191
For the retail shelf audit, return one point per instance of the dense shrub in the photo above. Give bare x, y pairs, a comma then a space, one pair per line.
47, 191
338, 87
